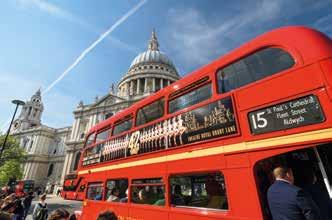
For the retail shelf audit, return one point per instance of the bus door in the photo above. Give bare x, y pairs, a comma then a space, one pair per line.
312, 170
81, 191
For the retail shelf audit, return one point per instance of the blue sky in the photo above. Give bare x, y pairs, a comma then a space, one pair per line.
40, 39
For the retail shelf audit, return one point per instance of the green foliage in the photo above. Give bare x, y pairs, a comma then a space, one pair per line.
11, 160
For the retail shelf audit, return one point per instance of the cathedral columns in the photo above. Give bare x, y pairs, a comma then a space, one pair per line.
68, 162
161, 83
153, 84
64, 169
131, 88
75, 128
146, 85
127, 89
138, 86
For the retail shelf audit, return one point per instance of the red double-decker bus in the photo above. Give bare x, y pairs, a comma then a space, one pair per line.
73, 187
23, 187
205, 146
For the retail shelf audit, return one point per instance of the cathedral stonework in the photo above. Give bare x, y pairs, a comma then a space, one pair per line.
54, 153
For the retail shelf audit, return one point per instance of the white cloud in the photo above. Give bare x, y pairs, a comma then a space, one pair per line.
64, 14
197, 38
51, 9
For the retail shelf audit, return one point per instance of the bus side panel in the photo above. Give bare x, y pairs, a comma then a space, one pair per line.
211, 163
286, 85
93, 208
326, 66
242, 193
145, 212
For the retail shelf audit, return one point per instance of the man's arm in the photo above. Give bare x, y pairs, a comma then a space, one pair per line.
308, 206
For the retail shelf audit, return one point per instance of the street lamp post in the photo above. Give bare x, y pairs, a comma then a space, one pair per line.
17, 103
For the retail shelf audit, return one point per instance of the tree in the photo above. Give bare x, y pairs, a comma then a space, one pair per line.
11, 160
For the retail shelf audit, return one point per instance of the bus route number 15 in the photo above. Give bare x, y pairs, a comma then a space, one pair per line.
258, 121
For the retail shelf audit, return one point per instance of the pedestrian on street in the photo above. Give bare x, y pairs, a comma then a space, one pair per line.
27, 203
19, 210
40, 211
59, 214
287, 201
58, 192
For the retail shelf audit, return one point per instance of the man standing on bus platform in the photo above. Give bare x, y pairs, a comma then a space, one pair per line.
287, 201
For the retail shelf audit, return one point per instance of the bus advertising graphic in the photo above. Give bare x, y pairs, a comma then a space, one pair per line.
210, 121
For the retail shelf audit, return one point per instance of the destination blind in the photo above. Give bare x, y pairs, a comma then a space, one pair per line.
295, 113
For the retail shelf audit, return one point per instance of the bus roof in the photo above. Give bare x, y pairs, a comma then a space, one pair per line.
284, 37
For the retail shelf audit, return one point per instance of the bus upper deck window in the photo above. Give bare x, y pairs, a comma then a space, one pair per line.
256, 66
150, 112
90, 139
123, 126
191, 98
103, 135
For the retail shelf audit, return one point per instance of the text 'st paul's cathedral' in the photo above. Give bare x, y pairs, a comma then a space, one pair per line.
55, 152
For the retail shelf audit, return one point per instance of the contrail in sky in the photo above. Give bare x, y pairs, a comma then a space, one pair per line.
94, 44
87, 50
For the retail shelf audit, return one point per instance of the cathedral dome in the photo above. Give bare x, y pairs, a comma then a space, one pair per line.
149, 72
152, 56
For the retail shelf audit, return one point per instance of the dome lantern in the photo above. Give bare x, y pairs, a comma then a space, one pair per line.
153, 42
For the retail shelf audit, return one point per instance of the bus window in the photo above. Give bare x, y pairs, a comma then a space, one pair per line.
256, 66
117, 190
150, 112
122, 126
82, 188
90, 139
201, 190
102, 136
307, 172
191, 98
148, 191
95, 191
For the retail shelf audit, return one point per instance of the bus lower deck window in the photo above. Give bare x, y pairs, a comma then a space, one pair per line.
148, 192
117, 190
201, 190
95, 191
